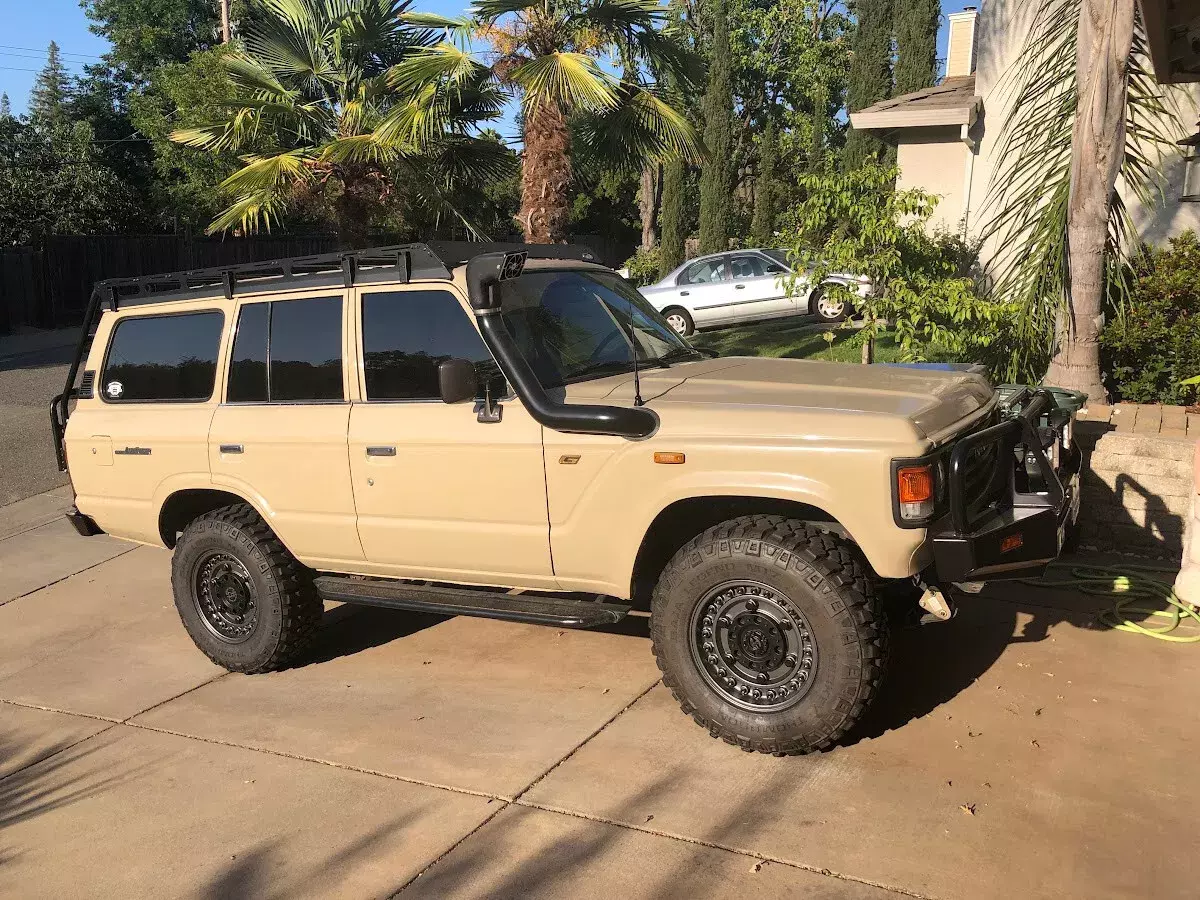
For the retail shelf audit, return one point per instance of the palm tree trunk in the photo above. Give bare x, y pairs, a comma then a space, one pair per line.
649, 197
545, 175
1097, 146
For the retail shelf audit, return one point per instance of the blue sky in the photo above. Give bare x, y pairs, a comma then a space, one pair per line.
26, 28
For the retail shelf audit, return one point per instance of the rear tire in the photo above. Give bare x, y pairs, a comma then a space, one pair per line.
246, 602
680, 321
769, 606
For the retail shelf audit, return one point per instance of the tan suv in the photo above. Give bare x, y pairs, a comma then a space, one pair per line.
514, 432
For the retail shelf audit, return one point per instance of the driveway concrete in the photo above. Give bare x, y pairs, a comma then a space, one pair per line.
1018, 750
33, 368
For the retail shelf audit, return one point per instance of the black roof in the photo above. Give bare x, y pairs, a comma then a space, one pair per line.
396, 262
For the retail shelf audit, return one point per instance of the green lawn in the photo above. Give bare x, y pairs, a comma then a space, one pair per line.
796, 338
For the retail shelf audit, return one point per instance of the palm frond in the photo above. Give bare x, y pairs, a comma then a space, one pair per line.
440, 62
262, 188
571, 80
490, 10
642, 126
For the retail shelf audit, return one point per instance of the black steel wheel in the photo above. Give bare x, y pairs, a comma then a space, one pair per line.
244, 600
769, 634
225, 596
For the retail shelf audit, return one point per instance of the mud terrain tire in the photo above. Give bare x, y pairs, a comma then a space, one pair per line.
808, 586
257, 610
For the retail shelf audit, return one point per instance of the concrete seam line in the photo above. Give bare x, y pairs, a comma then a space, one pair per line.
700, 842
154, 706
30, 528
503, 806
65, 712
71, 746
298, 757
620, 712
65, 577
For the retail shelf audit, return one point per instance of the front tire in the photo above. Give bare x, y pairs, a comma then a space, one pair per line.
769, 634
827, 308
680, 321
246, 602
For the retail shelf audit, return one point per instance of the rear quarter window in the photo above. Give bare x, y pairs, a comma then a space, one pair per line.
166, 358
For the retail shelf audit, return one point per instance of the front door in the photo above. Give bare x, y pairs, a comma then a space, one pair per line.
758, 290
280, 435
440, 494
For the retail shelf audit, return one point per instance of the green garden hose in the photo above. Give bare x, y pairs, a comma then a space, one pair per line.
1124, 583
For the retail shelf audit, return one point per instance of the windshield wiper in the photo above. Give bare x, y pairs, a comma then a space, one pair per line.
677, 354
608, 366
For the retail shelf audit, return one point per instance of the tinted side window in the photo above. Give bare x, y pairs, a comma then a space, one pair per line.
248, 365
306, 349
163, 358
706, 271
406, 334
747, 266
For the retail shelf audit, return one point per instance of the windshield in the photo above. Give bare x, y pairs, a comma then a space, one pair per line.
575, 324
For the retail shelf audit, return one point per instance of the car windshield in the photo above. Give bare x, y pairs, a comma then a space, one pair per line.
578, 324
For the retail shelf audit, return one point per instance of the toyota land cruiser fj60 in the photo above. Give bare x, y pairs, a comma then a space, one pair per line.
513, 431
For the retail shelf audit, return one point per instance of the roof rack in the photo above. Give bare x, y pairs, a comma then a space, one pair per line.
436, 259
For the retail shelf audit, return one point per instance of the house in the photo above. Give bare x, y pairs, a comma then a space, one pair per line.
948, 138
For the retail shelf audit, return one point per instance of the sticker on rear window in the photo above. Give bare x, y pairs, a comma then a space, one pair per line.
114, 389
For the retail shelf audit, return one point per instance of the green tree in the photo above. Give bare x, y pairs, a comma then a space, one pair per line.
146, 34
671, 217
923, 285
54, 182
870, 78
548, 52
348, 106
5, 107
762, 227
716, 177
51, 91
916, 44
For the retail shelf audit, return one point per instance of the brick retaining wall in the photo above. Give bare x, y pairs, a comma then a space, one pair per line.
1137, 491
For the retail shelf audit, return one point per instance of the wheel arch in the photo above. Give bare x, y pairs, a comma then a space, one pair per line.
184, 505
682, 520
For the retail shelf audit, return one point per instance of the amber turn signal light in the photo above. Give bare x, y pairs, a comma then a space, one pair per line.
670, 459
1012, 542
915, 484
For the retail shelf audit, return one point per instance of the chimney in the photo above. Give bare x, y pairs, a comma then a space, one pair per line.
960, 52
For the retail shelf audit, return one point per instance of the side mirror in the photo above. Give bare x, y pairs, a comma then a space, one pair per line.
456, 380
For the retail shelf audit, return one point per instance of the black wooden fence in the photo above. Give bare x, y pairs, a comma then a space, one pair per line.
48, 286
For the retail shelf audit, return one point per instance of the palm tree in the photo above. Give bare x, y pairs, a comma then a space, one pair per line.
549, 52
1088, 127
336, 108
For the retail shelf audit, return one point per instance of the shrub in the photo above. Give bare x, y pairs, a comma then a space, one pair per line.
1152, 345
643, 266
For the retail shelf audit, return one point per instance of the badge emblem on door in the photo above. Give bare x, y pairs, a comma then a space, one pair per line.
114, 389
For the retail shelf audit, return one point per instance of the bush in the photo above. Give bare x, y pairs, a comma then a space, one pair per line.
1152, 344
643, 266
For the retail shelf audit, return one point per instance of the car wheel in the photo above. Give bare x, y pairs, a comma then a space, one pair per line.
680, 321
827, 308
769, 634
243, 598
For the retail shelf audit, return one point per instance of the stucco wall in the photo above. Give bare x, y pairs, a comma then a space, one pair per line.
935, 160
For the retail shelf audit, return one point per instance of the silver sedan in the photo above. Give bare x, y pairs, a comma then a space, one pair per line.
744, 286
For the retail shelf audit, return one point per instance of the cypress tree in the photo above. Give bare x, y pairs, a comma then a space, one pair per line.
916, 44
672, 236
47, 100
870, 78
5, 107
716, 179
762, 225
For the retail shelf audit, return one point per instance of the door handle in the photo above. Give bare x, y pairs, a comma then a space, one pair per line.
231, 448
739, 287
381, 451
683, 293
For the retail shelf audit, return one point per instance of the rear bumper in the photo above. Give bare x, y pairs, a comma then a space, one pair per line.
85, 525
1019, 536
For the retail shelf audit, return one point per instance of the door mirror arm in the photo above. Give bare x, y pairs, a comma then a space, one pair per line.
488, 410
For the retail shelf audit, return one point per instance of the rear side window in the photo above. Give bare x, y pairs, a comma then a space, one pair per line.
407, 334
287, 351
163, 358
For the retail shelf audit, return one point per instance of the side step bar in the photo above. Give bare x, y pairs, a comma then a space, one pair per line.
531, 608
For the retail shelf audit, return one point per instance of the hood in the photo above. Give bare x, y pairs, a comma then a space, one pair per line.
932, 401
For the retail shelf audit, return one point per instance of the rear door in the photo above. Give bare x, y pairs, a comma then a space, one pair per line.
280, 434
